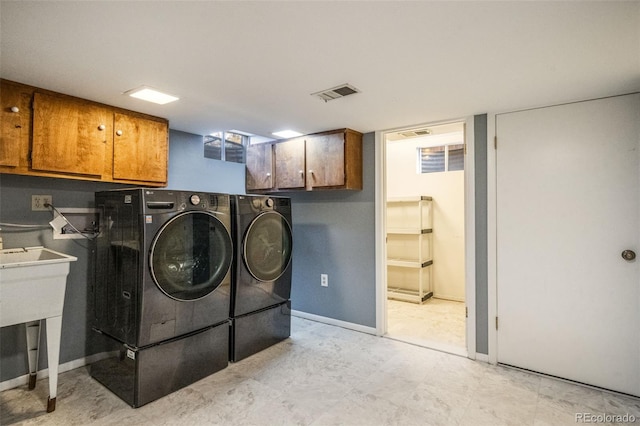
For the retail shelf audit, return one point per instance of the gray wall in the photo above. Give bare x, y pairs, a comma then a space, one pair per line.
334, 234
188, 169
15, 207
480, 164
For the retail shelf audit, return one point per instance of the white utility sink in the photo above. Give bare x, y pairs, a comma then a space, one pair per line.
32, 286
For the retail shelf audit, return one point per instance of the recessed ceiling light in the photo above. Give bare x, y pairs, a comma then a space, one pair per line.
287, 134
151, 95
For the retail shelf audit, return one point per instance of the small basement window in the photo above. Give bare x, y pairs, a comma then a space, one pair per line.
441, 158
226, 146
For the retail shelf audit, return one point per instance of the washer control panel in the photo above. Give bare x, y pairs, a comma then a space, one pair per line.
262, 203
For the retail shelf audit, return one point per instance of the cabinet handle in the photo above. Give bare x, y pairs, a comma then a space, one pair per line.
15, 109
102, 127
119, 132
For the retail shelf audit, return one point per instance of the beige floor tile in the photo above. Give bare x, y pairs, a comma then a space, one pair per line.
325, 375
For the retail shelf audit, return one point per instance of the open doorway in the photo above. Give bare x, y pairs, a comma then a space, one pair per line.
425, 236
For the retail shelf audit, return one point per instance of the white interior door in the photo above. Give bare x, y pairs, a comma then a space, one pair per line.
568, 184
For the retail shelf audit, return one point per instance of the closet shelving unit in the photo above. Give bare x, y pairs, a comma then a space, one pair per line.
409, 248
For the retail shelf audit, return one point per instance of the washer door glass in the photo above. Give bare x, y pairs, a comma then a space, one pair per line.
267, 246
190, 255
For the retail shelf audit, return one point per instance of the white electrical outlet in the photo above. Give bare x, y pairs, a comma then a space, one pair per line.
38, 202
324, 280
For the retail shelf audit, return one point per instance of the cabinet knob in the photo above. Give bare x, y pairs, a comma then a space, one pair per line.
102, 127
268, 174
628, 255
15, 109
310, 171
119, 132
301, 172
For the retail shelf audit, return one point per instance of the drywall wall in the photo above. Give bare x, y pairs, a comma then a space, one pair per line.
334, 234
188, 169
77, 339
481, 249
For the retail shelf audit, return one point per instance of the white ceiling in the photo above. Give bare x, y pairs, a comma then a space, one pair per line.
252, 65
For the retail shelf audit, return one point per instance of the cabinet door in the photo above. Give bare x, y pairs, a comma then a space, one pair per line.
290, 164
260, 166
15, 125
69, 135
140, 149
325, 160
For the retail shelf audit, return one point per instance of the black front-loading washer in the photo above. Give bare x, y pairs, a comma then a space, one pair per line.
162, 289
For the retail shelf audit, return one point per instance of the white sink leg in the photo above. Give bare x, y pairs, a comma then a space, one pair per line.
54, 330
33, 350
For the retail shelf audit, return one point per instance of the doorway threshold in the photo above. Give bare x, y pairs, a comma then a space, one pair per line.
429, 344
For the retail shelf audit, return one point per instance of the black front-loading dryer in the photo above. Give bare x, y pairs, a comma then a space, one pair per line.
261, 287
163, 278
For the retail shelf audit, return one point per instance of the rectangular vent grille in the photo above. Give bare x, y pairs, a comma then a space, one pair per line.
336, 92
414, 133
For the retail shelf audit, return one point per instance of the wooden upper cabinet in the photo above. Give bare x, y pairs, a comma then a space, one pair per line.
325, 160
15, 123
140, 148
334, 160
259, 166
69, 135
290, 164
44, 133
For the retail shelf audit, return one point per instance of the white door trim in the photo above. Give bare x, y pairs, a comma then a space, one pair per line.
381, 230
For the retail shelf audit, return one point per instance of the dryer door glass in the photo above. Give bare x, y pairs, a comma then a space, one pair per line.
191, 255
267, 246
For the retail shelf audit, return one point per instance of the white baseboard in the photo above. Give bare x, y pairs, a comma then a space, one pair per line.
332, 321
67, 366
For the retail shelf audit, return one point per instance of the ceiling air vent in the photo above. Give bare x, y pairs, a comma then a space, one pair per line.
336, 92
414, 133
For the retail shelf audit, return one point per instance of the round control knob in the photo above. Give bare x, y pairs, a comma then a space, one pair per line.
15, 109
194, 199
268, 202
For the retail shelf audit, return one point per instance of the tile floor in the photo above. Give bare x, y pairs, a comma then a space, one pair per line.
435, 323
326, 375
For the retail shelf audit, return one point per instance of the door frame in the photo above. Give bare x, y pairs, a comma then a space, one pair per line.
469, 219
